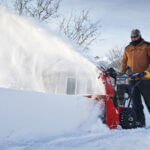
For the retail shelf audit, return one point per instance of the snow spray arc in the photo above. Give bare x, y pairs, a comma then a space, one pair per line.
33, 58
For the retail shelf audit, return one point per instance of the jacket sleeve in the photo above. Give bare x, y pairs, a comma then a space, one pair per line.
148, 69
124, 62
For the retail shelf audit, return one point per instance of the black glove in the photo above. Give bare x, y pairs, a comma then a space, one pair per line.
142, 74
111, 72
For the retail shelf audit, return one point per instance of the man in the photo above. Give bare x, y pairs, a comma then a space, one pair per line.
137, 56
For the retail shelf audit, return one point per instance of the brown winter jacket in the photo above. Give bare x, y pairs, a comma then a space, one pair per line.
137, 57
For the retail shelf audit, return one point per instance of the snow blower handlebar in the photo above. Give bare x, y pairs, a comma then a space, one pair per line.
131, 76
114, 74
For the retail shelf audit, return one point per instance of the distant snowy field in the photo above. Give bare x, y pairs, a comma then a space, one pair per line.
33, 59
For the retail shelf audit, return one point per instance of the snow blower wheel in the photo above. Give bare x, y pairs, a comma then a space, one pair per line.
127, 118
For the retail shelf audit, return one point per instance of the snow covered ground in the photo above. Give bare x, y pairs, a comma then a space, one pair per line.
41, 121
29, 116
31, 120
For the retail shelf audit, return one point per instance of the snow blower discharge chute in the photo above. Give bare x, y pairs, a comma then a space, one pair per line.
118, 98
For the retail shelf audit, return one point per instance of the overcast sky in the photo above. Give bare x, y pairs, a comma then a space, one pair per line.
118, 18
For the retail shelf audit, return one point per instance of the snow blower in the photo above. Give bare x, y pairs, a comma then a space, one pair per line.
118, 98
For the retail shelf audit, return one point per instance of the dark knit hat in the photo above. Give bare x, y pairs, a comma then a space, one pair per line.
136, 32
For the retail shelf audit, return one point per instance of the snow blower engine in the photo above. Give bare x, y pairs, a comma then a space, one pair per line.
118, 98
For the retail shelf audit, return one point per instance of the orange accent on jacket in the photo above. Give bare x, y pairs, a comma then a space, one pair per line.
137, 57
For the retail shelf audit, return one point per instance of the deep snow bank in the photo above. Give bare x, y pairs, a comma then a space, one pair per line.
33, 58
38, 121
30, 115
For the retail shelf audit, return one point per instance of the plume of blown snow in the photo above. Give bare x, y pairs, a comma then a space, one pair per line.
34, 58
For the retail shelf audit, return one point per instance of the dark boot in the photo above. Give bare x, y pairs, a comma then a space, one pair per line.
140, 123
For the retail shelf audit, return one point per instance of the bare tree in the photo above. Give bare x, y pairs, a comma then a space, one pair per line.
20, 6
42, 10
80, 29
115, 56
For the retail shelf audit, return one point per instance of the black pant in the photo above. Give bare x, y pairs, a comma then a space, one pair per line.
143, 88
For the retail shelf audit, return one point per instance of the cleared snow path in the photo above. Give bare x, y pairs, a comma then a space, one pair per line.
115, 140
137, 139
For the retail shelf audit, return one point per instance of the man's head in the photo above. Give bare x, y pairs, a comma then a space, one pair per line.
135, 35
